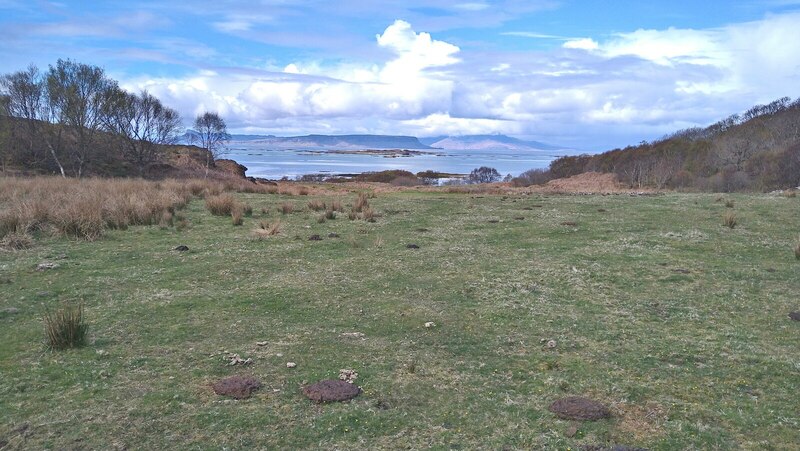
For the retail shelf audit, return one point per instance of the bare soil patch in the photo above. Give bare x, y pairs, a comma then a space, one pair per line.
236, 387
578, 408
331, 391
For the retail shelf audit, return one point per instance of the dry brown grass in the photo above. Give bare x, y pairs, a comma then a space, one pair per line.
286, 208
790, 193
16, 241
369, 215
316, 205
85, 208
237, 214
336, 205
266, 229
221, 205
729, 220
361, 202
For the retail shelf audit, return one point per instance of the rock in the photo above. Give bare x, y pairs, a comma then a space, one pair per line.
422, 230
353, 335
236, 387
291, 365
261, 343
430, 324
331, 391
10, 311
578, 408
236, 359
315, 238
412, 246
795, 316
333, 235
182, 248
551, 344
519, 218
44, 266
348, 375
681, 271
44, 294
493, 221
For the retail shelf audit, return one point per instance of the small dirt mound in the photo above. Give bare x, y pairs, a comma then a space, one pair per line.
236, 387
578, 408
315, 238
422, 230
494, 221
519, 218
331, 391
333, 235
412, 246
795, 316
181, 248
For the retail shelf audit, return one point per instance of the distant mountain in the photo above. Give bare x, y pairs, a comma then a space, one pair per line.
485, 142
339, 142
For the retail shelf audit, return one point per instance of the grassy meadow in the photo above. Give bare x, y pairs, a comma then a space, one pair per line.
676, 321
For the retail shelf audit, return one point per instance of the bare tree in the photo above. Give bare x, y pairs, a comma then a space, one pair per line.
27, 99
76, 94
212, 135
143, 123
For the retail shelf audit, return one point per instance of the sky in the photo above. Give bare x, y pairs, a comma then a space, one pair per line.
591, 75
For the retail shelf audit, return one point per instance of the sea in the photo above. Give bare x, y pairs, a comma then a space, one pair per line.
268, 163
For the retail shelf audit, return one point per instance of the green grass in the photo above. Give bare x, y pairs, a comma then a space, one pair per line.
701, 358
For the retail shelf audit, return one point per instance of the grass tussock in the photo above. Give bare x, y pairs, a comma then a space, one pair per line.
336, 205
66, 327
797, 249
729, 220
85, 208
221, 205
237, 215
286, 208
791, 194
266, 229
361, 203
316, 205
729, 203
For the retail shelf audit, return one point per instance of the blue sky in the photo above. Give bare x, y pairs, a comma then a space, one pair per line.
591, 75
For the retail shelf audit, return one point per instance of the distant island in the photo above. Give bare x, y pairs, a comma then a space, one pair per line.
385, 153
390, 142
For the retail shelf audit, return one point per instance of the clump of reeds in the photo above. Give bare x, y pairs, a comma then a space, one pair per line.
221, 205
66, 327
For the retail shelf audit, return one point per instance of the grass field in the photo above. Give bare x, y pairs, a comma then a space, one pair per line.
675, 321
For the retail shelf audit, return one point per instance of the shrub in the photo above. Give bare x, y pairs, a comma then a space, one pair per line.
729, 220
406, 181
65, 328
221, 205
287, 208
16, 241
483, 174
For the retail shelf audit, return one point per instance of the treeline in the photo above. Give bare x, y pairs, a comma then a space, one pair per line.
758, 150
72, 119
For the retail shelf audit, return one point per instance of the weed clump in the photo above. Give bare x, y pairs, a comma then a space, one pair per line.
66, 327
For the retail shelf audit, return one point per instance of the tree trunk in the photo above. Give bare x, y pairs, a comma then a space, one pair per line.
55, 158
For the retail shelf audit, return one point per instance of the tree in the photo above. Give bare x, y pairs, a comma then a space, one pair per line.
143, 123
26, 93
76, 94
5, 125
483, 174
212, 135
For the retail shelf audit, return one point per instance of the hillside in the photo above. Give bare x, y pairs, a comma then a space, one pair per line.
758, 150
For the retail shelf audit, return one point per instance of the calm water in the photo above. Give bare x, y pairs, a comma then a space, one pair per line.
274, 164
